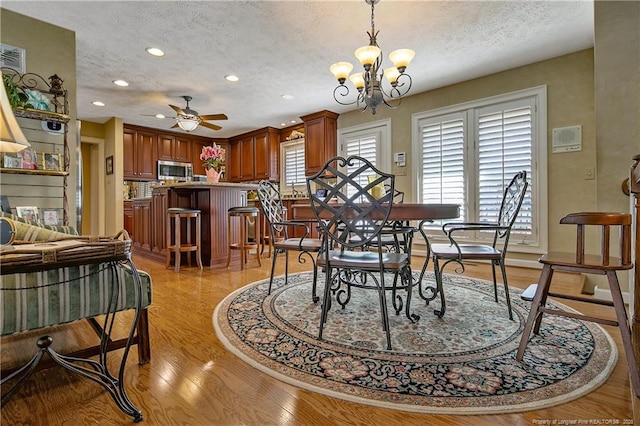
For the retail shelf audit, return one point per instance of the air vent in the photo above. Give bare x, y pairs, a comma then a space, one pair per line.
12, 57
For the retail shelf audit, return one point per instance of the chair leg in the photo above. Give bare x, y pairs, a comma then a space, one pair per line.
383, 309
314, 295
534, 316
325, 300
625, 330
286, 267
495, 282
228, 240
438, 274
506, 289
178, 253
273, 268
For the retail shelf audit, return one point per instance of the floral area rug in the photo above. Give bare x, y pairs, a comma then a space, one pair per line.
463, 363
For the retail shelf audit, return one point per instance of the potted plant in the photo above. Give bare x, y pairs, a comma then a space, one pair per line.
17, 97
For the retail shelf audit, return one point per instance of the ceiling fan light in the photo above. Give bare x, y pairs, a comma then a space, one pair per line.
188, 123
367, 55
341, 71
401, 58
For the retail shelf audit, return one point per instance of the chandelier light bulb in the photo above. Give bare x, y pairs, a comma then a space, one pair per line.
341, 71
357, 80
392, 75
188, 123
401, 58
367, 55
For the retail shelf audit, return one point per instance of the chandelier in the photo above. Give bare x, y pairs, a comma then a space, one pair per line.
369, 82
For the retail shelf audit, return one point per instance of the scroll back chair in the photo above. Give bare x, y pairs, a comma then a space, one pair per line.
279, 228
455, 252
602, 264
350, 219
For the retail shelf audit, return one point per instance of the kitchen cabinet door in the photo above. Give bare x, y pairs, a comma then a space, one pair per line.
129, 139
146, 155
247, 158
266, 147
320, 140
174, 148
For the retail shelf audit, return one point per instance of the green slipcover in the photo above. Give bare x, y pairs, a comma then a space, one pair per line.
40, 299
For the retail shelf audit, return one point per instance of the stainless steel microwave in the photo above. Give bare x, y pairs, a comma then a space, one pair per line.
172, 170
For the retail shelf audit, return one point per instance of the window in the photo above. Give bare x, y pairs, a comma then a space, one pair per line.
368, 141
293, 167
467, 154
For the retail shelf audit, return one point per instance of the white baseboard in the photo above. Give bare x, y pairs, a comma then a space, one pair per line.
605, 294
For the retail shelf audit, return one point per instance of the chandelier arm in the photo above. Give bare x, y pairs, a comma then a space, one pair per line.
344, 92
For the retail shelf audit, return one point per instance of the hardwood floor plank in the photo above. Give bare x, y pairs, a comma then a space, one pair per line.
192, 379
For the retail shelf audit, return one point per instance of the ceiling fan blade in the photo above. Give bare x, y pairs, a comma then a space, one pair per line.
177, 109
210, 126
174, 126
214, 117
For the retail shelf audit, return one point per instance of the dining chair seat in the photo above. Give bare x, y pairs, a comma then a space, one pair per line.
478, 251
359, 259
302, 244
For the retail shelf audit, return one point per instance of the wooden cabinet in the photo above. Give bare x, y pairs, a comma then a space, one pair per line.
320, 139
266, 147
254, 156
242, 158
140, 154
174, 148
159, 206
128, 217
142, 223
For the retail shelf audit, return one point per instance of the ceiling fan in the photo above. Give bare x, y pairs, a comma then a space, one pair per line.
188, 119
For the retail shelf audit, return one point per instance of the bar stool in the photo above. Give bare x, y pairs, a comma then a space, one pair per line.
177, 246
244, 245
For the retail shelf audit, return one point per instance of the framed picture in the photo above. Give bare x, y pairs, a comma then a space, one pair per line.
29, 213
108, 165
29, 159
50, 217
12, 161
52, 161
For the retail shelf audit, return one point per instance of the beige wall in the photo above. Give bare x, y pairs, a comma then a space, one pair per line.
570, 101
55, 56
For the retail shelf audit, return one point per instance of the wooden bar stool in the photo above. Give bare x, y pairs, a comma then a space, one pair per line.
604, 263
177, 246
244, 245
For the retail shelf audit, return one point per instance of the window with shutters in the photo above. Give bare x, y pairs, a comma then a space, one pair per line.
467, 155
368, 141
292, 165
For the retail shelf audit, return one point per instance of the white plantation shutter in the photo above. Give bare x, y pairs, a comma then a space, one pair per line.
504, 136
292, 164
364, 146
468, 154
443, 160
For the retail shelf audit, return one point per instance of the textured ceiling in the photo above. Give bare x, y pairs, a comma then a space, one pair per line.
286, 47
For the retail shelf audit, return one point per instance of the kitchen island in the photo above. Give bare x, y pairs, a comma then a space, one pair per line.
212, 199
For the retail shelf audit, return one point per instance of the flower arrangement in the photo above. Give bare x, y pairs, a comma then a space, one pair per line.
213, 156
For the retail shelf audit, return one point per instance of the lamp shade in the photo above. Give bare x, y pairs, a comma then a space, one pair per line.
401, 58
392, 74
341, 70
188, 123
11, 137
367, 55
358, 80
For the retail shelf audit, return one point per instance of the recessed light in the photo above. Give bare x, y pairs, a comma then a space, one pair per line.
293, 121
231, 77
154, 51
98, 103
283, 124
120, 83
287, 97
160, 116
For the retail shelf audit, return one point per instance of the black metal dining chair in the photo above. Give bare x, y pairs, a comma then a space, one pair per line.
495, 252
350, 218
279, 229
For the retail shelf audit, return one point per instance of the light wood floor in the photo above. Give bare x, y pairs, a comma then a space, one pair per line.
193, 380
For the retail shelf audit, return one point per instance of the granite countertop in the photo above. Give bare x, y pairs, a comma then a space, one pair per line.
239, 185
